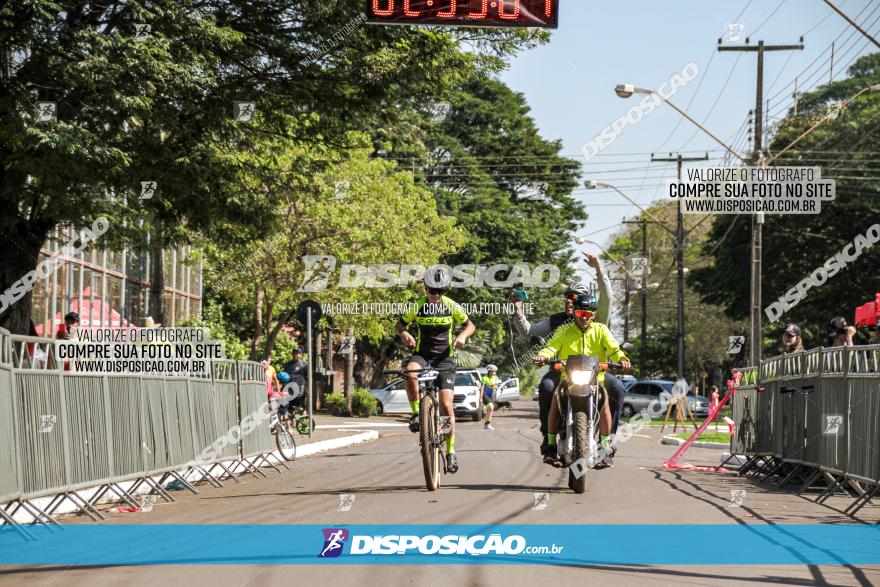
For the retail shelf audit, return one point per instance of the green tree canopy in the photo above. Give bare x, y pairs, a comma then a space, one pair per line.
158, 107
846, 148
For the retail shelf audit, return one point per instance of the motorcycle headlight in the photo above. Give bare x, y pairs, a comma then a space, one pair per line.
581, 377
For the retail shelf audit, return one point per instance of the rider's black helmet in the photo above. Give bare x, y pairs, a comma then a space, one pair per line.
71, 317
585, 301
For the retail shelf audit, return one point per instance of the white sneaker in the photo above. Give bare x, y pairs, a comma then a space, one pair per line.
488, 426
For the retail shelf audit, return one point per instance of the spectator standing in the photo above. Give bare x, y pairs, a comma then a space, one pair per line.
71, 321
841, 333
297, 368
791, 339
714, 400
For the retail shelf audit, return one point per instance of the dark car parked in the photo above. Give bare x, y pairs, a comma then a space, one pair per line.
640, 394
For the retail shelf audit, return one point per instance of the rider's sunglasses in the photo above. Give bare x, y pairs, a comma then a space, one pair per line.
584, 313
436, 290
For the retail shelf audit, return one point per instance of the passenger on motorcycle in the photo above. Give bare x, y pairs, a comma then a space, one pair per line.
584, 336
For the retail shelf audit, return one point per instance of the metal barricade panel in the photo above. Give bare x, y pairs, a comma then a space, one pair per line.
42, 431
10, 475
87, 431
863, 434
156, 444
831, 402
790, 432
744, 411
180, 408
252, 395
204, 413
226, 402
125, 425
768, 414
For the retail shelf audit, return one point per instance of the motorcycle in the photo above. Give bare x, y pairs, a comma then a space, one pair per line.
578, 398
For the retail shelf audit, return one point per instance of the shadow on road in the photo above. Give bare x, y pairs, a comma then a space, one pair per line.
687, 487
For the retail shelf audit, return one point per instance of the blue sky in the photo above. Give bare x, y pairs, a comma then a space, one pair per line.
569, 83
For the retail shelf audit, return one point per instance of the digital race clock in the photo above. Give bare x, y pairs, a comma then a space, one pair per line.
488, 13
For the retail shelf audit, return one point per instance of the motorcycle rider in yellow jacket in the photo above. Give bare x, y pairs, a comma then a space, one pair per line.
582, 337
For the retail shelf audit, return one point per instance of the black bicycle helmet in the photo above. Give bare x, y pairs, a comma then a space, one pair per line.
585, 301
71, 317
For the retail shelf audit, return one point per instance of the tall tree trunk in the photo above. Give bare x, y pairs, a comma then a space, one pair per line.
157, 275
258, 323
273, 334
349, 372
21, 240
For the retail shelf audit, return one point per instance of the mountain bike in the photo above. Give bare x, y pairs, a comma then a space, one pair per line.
433, 427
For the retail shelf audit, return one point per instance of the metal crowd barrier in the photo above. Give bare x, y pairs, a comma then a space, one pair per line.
62, 432
745, 413
814, 417
10, 466
253, 399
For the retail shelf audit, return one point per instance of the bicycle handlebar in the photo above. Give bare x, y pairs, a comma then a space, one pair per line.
559, 365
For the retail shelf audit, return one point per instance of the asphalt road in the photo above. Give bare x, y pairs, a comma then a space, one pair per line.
500, 474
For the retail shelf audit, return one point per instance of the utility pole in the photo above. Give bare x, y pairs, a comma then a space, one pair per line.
626, 308
756, 336
680, 237
831, 65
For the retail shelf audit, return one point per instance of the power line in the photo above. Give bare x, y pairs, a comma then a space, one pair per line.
845, 30
760, 26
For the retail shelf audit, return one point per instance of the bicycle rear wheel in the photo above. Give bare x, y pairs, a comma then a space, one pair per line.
302, 425
430, 447
285, 442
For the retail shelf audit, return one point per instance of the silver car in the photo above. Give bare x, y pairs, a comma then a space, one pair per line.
640, 394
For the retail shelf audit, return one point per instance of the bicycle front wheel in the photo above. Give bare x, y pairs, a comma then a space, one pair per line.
430, 447
285, 442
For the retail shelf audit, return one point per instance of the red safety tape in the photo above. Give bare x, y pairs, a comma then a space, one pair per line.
690, 467
672, 462
121, 510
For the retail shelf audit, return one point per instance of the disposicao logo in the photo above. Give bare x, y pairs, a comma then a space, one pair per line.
334, 540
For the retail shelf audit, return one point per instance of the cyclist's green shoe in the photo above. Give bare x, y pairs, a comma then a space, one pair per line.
414, 423
451, 463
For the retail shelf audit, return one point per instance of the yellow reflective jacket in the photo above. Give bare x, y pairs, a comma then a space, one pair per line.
596, 340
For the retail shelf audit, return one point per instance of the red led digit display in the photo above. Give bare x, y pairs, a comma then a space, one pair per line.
488, 13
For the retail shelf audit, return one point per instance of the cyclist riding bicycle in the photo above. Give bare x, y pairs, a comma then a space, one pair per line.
584, 336
433, 318
490, 383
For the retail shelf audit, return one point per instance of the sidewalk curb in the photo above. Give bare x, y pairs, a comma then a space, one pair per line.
678, 442
314, 448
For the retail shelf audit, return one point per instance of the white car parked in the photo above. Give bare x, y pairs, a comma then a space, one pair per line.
467, 399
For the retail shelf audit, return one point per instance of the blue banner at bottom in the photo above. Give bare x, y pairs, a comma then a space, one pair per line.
703, 544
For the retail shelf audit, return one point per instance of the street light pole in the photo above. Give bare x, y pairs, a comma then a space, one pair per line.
643, 293
627, 90
680, 236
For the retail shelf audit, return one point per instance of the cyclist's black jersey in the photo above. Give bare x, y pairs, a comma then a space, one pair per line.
433, 325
